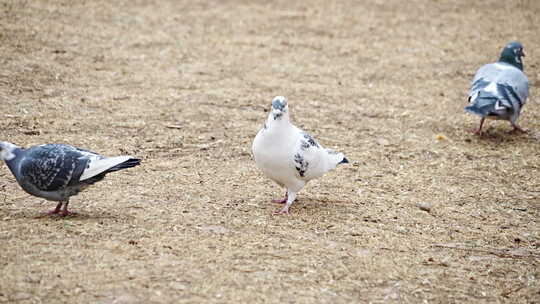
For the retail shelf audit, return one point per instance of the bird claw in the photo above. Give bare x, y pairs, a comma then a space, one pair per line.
66, 213
280, 201
477, 132
518, 130
61, 213
285, 210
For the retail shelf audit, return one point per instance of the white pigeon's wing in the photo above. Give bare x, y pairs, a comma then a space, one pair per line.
309, 157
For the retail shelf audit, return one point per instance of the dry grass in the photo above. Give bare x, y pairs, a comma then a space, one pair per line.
383, 81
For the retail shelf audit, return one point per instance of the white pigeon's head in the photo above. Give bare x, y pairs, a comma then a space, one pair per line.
279, 107
6, 150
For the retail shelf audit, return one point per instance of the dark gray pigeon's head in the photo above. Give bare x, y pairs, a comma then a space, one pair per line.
6, 150
279, 107
512, 54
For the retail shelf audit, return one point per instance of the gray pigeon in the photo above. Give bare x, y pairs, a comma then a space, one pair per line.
56, 171
500, 89
290, 156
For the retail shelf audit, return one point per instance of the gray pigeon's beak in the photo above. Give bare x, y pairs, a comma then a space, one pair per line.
523, 53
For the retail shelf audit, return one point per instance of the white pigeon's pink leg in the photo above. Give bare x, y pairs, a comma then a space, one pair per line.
282, 200
291, 196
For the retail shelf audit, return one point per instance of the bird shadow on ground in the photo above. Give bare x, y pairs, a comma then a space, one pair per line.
498, 137
72, 216
313, 204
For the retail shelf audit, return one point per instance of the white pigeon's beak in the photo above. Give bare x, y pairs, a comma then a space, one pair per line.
277, 113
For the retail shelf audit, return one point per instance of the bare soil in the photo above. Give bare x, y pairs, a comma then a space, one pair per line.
185, 85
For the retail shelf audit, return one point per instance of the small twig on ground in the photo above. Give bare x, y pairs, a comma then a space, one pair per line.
508, 292
497, 252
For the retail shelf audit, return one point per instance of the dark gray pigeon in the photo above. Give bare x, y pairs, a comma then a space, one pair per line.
56, 171
499, 90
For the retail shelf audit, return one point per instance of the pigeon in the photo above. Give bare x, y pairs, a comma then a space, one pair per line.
290, 156
57, 171
499, 90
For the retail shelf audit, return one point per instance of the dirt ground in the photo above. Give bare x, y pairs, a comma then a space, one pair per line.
185, 85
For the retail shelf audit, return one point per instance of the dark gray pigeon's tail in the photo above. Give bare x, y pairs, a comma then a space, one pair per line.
132, 162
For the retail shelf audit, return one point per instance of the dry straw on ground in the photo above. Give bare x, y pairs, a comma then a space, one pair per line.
185, 85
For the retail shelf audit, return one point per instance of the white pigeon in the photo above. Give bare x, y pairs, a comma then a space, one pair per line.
499, 90
56, 171
290, 156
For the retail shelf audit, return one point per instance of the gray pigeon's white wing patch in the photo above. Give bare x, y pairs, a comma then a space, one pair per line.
98, 165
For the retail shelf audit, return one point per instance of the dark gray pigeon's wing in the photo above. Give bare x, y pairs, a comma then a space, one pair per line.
52, 167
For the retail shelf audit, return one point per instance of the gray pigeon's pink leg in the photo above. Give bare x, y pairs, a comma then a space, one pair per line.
281, 201
56, 210
65, 211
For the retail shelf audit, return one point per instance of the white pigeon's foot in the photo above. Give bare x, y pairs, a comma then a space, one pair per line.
291, 196
280, 201
284, 210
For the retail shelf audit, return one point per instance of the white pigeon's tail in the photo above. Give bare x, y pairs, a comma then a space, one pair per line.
106, 165
336, 158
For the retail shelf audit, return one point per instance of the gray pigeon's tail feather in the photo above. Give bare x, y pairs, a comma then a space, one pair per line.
132, 162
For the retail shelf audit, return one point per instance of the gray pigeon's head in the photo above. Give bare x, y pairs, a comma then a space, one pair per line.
279, 107
6, 150
512, 54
